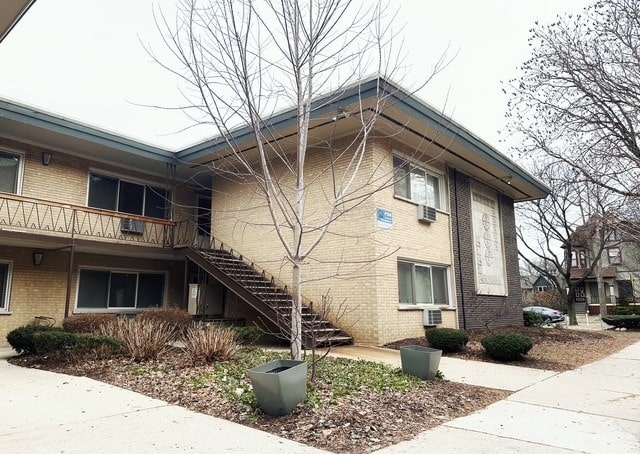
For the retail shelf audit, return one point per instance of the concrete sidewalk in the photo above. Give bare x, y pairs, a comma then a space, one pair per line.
593, 409
45, 412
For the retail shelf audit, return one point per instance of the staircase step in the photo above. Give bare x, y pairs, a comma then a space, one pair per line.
278, 299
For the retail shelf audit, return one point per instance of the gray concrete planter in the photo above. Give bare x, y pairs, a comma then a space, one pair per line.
420, 361
279, 385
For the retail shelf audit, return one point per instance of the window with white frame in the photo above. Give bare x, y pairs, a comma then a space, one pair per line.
579, 259
10, 165
104, 289
416, 184
615, 255
422, 284
114, 194
5, 280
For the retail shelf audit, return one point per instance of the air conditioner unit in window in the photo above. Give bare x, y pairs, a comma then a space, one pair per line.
132, 226
431, 317
426, 213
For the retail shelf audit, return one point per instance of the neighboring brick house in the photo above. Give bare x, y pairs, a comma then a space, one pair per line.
91, 221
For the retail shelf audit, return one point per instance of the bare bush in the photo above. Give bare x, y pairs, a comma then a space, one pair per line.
87, 323
177, 319
210, 343
141, 339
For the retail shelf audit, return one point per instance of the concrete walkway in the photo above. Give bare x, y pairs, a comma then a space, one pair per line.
593, 409
45, 412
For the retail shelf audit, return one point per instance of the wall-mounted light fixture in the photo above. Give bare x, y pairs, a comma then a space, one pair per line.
46, 158
37, 258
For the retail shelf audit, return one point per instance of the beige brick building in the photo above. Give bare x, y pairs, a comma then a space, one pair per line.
91, 221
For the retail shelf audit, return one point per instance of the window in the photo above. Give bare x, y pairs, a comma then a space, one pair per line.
100, 289
579, 260
416, 184
541, 288
126, 197
422, 284
9, 172
5, 279
615, 256
615, 235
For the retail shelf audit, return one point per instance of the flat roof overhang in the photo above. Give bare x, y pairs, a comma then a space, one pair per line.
11, 11
403, 117
24, 124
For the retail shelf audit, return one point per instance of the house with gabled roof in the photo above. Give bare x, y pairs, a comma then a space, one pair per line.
91, 221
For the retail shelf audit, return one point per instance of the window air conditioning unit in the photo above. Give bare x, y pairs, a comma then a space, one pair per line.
132, 226
431, 317
426, 213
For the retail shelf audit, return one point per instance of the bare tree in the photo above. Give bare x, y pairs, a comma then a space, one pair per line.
242, 60
577, 217
578, 99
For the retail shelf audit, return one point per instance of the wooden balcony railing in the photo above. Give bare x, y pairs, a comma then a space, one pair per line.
29, 215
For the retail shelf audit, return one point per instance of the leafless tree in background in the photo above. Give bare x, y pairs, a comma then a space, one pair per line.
577, 216
578, 99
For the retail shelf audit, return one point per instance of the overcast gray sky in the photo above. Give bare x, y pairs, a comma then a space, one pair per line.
83, 59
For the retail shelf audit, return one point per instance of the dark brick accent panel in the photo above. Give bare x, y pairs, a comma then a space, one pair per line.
482, 311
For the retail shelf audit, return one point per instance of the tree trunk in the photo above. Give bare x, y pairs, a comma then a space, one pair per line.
296, 314
571, 307
602, 299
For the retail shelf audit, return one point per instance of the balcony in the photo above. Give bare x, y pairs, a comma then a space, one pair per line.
28, 216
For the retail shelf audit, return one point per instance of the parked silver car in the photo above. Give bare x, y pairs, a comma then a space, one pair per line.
550, 315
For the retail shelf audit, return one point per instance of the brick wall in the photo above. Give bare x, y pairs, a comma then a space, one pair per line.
476, 311
66, 178
357, 261
41, 290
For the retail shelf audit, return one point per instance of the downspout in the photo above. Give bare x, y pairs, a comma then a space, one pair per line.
455, 190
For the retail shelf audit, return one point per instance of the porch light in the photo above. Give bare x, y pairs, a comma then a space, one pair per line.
46, 158
37, 258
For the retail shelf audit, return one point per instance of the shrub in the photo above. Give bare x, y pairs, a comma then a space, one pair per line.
177, 319
142, 339
626, 310
447, 339
87, 323
48, 342
21, 339
247, 335
622, 321
533, 318
209, 343
506, 347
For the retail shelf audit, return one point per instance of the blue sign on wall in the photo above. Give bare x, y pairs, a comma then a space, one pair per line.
384, 218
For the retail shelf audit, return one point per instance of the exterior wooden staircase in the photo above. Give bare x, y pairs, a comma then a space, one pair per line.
264, 294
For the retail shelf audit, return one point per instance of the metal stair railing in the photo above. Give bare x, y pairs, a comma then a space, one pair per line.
210, 250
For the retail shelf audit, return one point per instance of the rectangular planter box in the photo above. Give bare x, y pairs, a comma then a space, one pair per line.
279, 385
419, 361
